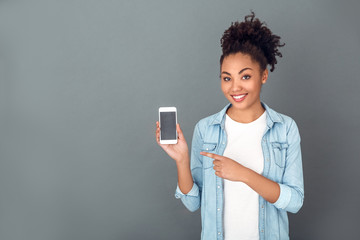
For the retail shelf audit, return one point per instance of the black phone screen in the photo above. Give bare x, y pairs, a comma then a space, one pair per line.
168, 125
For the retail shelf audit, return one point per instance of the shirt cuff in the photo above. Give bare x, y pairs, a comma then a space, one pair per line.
284, 198
193, 192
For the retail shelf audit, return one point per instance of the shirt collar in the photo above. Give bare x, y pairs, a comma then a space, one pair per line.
271, 116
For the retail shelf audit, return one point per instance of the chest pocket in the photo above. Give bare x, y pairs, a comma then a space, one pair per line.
208, 147
279, 150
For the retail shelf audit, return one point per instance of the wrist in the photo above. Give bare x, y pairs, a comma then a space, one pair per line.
245, 175
183, 162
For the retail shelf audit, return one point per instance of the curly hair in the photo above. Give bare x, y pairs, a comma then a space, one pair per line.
254, 38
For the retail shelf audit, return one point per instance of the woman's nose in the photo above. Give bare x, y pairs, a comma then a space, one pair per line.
236, 85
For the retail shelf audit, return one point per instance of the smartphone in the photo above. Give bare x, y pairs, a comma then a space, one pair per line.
168, 121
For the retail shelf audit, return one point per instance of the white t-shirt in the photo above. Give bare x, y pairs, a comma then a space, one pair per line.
241, 203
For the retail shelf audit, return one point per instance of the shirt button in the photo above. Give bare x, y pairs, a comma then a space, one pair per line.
223, 142
207, 149
262, 206
218, 209
218, 186
219, 233
262, 230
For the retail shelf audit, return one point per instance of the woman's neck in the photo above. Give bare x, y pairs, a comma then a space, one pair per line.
246, 115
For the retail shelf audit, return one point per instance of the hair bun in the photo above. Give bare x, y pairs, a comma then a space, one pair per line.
254, 38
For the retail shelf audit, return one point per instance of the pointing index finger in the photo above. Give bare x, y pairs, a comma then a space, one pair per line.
212, 155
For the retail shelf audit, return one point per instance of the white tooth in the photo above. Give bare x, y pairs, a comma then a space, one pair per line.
238, 97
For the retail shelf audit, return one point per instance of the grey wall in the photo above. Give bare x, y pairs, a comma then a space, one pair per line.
81, 83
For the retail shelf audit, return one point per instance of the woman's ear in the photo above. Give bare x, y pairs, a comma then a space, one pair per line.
264, 76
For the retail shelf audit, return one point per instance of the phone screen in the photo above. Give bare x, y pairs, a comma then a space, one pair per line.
168, 125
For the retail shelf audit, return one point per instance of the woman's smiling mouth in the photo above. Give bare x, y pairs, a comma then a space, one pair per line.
239, 98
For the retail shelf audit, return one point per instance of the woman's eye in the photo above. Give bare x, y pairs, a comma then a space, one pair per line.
226, 79
246, 77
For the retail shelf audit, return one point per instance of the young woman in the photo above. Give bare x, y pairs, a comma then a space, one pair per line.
245, 170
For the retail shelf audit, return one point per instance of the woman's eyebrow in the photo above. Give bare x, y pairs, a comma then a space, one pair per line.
239, 72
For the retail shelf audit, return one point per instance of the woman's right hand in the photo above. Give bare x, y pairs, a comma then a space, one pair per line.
180, 151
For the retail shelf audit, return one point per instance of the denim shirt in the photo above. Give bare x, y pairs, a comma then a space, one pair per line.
282, 164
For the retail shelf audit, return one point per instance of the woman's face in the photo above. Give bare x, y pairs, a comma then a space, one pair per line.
241, 81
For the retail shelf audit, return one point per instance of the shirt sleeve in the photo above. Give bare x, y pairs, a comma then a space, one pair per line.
292, 187
192, 199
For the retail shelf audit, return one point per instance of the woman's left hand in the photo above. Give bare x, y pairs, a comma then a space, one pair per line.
227, 168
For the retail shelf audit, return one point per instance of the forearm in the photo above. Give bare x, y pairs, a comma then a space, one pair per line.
185, 180
265, 187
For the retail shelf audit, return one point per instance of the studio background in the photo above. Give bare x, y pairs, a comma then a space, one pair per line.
80, 86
